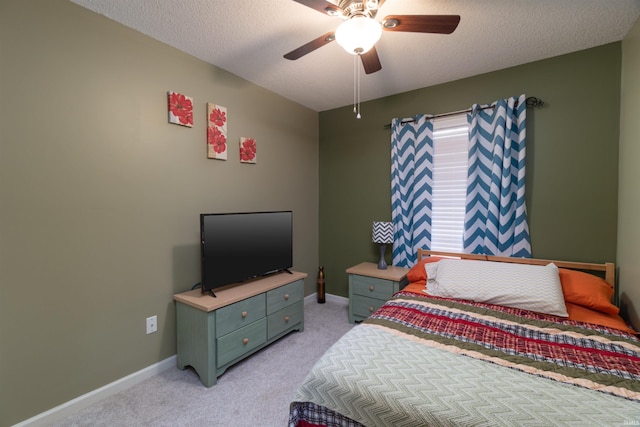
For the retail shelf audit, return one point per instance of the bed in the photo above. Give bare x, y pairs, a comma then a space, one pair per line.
454, 347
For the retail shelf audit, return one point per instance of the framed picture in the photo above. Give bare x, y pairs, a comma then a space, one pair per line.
180, 109
247, 150
216, 132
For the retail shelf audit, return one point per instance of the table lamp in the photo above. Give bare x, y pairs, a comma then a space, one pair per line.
382, 235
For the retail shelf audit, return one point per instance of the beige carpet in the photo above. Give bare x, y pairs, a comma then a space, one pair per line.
255, 392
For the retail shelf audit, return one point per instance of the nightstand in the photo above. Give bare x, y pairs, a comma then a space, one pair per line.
370, 287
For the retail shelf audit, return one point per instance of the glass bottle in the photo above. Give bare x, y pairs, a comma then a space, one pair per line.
321, 286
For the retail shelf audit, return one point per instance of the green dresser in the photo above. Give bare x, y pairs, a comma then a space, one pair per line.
214, 333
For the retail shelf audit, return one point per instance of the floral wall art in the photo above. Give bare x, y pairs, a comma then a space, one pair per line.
181, 113
216, 132
247, 150
180, 109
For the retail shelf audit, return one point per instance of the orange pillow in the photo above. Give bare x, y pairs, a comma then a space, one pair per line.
418, 271
587, 290
584, 314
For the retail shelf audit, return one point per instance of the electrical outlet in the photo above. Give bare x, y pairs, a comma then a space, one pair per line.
152, 324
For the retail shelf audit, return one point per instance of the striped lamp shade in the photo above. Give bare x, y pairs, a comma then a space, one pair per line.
382, 232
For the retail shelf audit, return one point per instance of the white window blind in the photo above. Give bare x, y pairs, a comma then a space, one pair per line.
451, 152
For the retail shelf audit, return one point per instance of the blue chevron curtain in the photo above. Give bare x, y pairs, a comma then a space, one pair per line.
496, 216
411, 187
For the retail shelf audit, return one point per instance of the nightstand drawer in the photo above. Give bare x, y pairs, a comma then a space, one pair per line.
284, 319
372, 287
364, 306
237, 315
235, 344
284, 296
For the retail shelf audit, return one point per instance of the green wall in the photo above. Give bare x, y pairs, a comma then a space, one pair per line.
100, 195
629, 195
572, 158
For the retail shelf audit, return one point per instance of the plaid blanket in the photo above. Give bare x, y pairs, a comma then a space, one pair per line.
601, 359
422, 360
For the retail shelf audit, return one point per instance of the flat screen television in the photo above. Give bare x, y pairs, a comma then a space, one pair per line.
236, 247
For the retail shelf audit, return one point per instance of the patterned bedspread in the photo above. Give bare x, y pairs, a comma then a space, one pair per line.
430, 361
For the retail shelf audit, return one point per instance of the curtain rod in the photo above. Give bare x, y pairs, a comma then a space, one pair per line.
531, 101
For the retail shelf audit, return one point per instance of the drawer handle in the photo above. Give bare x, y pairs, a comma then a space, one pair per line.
286, 319
286, 296
371, 288
370, 309
245, 341
244, 314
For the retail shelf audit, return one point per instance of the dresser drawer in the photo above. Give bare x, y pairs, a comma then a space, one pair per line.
282, 320
239, 314
364, 306
283, 296
237, 343
371, 287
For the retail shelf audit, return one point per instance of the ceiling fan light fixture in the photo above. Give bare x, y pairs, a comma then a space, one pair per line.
358, 34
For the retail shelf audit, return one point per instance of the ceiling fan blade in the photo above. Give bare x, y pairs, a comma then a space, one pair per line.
370, 61
440, 24
311, 46
321, 6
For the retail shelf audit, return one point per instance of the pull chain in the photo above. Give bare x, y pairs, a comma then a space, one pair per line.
358, 78
356, 86
355, 81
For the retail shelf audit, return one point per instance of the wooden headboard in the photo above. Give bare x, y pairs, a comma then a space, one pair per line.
607, 269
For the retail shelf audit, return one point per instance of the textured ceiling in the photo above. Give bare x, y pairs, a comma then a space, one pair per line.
249, 37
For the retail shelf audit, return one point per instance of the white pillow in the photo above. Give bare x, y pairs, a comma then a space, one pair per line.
530, 287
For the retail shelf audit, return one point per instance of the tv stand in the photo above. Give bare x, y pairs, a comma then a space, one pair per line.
214, 334
210, 292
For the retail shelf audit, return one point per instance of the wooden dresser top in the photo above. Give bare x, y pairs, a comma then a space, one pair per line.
237, 292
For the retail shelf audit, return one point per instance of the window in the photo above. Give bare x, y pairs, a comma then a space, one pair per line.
451, 152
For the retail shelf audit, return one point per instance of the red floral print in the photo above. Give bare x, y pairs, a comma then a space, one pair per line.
182, 108
216, 139
218, 117
248, 150
216, 131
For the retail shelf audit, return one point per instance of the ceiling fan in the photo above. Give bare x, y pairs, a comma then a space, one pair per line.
360, 31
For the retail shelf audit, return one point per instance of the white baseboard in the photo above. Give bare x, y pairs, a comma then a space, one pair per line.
71, 407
